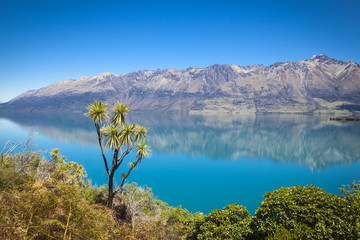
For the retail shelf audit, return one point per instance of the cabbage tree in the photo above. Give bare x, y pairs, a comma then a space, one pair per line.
123, 138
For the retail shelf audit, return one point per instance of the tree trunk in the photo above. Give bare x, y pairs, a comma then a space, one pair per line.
111, 190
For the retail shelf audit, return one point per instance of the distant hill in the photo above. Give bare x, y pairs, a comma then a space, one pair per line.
318, 84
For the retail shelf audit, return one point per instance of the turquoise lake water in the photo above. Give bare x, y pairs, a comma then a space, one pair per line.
205, 162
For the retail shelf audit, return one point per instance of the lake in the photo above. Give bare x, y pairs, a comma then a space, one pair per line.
205, 162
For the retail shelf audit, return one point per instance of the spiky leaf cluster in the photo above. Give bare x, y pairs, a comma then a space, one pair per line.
117, 132
97, 112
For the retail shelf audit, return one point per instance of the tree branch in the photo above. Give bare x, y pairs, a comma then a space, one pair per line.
31, 216
123, 181
115, 160
68, 220
124, 154
101, 147
12, 148
1, 153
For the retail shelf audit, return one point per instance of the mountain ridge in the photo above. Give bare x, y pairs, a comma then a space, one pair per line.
318, 84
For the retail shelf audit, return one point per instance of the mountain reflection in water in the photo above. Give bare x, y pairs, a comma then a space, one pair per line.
312, 141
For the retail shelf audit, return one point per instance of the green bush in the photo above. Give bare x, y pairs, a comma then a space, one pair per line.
44, 211
175, 215
230, 223
51, 199
352, 194
42, 199
319, 214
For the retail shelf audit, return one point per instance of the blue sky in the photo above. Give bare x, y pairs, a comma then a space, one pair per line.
42, 42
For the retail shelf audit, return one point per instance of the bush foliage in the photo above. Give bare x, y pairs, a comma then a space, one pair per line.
305, 212
52, 199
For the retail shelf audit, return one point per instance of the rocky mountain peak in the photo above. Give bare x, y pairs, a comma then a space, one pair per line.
322, 58
275, 65
191, 69
106, 75
354, 64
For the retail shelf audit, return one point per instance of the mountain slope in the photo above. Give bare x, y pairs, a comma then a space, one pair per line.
317, 84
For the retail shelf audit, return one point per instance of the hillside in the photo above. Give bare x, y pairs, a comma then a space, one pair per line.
318, 84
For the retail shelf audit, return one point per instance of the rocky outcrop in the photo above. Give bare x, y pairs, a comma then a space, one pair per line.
313, 85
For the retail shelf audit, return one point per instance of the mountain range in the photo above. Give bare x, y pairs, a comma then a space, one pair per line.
318, 84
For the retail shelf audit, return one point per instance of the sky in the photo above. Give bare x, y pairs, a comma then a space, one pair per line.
42, 42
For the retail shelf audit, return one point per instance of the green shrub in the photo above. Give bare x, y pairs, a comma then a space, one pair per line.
175, 215
352, 194
326, 216
230, 223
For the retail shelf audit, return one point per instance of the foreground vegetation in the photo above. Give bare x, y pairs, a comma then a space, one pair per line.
52, 199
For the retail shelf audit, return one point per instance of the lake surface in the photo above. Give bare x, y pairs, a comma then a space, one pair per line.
205, 162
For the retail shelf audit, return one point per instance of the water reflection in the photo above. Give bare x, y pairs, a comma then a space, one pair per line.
307, 140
